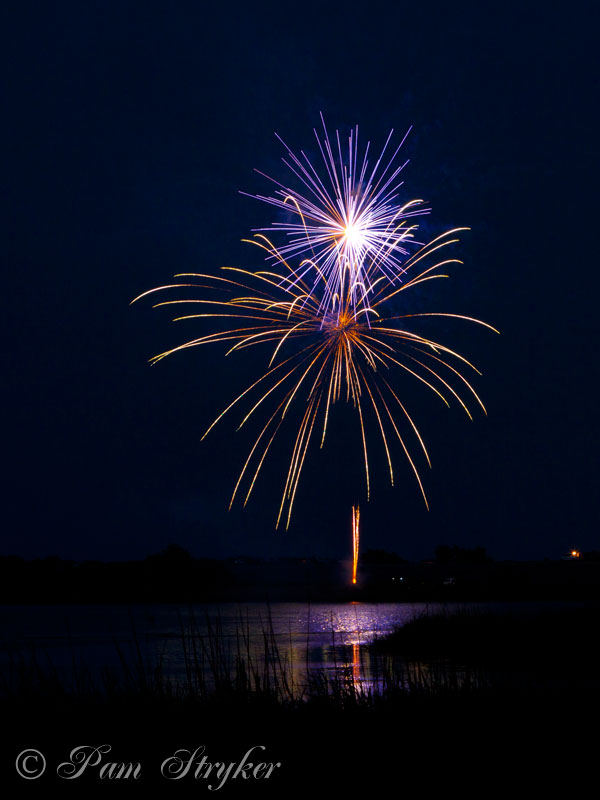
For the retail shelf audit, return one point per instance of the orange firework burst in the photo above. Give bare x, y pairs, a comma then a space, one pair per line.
323, 353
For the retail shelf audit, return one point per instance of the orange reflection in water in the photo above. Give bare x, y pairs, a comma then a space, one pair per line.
356, 671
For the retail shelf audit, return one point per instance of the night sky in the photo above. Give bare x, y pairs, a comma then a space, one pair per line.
129, 130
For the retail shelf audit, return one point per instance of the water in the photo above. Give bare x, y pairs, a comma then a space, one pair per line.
329, 637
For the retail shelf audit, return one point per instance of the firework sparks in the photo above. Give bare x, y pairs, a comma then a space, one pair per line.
349, 218
355, 540
321, 355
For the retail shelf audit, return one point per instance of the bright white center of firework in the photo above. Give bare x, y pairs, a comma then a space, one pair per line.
354, 236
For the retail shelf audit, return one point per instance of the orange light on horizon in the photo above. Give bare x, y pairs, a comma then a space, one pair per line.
355, 540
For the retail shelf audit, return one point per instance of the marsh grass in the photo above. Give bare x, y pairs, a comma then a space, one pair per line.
437, 655
418, 706
243, 670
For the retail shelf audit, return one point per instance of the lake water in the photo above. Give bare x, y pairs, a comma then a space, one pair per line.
328, 637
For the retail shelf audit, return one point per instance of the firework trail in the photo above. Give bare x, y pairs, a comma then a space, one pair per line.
355, 540
321, 354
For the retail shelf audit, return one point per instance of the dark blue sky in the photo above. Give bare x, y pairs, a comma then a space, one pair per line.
129, 129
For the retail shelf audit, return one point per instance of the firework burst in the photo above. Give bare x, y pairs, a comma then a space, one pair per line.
348, 219
323, 353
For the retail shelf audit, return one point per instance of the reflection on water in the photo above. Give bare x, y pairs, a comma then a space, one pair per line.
290, 639
357, 673
325, 639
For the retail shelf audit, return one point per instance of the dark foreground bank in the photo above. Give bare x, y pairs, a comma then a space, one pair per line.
448, 744
466, 702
